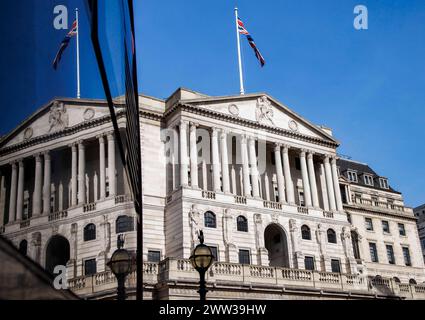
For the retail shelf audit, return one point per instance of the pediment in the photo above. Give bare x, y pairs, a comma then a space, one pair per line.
55, 117
266, 111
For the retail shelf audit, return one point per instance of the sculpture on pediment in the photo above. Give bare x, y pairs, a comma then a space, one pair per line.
264, 112
58, 118
195, 224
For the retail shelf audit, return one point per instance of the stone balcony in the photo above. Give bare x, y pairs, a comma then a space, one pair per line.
226, 280
71, 213
243, 203
379, 206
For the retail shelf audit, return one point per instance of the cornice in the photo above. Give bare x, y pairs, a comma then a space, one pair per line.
379, 213
247, 123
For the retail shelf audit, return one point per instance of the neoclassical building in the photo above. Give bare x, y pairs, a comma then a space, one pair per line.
281, 212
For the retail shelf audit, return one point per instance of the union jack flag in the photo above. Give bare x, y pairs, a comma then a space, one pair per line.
242, 30
241, 27
64, 44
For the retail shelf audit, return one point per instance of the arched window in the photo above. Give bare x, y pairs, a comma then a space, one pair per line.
124, 224
305, 232
90, 232
331, 236
23, 247
210, 220
242, 223
396, 280
412, 281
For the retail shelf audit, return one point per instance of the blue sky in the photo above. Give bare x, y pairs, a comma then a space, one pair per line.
368, 86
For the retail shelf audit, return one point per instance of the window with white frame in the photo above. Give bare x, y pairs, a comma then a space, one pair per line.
368, 180
383, 183
352, 176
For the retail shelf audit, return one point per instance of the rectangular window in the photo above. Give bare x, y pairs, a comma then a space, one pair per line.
90, 267
244, 257
309, 263
383, 183
385, 227
390, 254
214, 251
401, 229
154, 256
352, 176
368, 180
336, 266
301, 196
373, 252
406, 255
369, 224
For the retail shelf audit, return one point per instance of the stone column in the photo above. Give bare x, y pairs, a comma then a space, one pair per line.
313, 182
267, 186
204, 175
38, 187
254, 168
233, 173
337, 190
111, 165
74, 176
102, 167
184, 179
288, 179
329, 184
215, 161
324, 188
297, 255
193, 156
82, 174
279, 173
20, 197
306, 180
47, 183
225, 162
13, 189
245, 168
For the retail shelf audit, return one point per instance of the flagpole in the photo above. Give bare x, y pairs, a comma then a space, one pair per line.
242, 91
78, 54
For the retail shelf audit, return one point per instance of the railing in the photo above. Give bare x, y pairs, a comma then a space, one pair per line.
379, 204
122, 199
58, 215
328, 214
272, 205
240, 200
302, 210
89, 207
175, 270
25, 224
208, 195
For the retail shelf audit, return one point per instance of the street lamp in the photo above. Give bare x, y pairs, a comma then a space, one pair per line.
201, 259
120, 265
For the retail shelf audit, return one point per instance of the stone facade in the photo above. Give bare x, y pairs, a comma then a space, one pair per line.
420, 215
263, 184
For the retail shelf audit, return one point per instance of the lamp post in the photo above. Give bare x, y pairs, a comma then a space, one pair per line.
120, 265
201, 259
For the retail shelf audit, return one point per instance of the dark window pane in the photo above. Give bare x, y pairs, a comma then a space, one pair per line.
305, 232
336, 266
373, 252
390, 254
210, 220
90, 267
309, 263
154, 256
385, 227
244, 257
23, 247
242, 223
124, 224
331, 236
298, 164
406, 255
369, 224
90, 232
401, 229
214, 253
